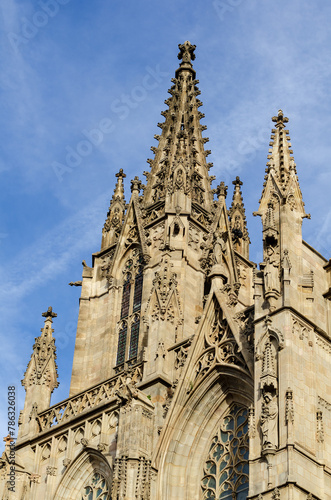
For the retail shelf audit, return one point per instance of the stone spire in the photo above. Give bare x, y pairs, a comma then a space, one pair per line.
115, 215
281, 181
282, 210
238, 222
40, 378
179, 171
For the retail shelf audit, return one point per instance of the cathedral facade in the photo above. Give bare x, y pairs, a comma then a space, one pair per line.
197, 374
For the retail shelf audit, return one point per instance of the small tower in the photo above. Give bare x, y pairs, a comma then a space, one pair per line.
40, 378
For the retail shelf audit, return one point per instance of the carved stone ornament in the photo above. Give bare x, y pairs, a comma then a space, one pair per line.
220, 347
164, 295
289, 409
35, 478
320, 427
51, 471
276, 494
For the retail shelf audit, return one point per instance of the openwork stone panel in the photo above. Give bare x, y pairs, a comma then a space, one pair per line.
96, 489
226, 467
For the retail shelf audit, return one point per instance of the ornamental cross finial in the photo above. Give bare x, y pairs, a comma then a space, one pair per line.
120, 174
49, 313
280, 119
237, 182
221, 190
136, 184
186, 52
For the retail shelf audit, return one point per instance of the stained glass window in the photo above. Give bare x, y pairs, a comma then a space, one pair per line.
138, 288
134, 337
226, 468
126, 296
97, 489
122, 334
130, 308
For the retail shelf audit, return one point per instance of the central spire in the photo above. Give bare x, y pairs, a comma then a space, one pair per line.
179, 171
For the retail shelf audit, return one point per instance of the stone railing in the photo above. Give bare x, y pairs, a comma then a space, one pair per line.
85, 401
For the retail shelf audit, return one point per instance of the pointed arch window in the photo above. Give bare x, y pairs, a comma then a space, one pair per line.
226, 468
96, 489
129, 325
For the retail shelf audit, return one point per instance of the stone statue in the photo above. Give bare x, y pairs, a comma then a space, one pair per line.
219, 246
268, 421
271, 278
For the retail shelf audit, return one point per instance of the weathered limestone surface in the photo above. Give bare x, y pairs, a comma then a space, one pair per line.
197, 374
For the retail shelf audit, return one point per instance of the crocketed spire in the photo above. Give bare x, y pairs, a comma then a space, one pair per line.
115, 215
180, 165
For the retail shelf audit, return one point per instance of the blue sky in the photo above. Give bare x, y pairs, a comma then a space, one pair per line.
70, 67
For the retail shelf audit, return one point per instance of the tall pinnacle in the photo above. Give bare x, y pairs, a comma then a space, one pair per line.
281, 182
115, 215
42, 369
238, 222
179, 171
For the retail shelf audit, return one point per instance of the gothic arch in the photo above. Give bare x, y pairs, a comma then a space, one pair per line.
191, 429
86, 464
271, 333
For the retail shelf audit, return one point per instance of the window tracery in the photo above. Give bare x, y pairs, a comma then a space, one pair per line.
96, 489
226, 468
129, 325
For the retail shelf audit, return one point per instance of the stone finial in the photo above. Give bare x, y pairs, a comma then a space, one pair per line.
136, 184
237, 182
221, 190
186, 52
49, 314
280, 119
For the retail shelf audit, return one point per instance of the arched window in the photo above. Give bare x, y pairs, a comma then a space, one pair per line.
129, 325
96, 489
226, 468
